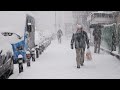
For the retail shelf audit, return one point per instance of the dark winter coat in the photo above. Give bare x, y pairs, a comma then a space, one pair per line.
80, 39
97, 34
59, 33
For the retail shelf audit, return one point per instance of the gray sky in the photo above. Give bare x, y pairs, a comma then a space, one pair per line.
46, 19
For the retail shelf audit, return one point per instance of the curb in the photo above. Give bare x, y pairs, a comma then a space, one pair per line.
111, 53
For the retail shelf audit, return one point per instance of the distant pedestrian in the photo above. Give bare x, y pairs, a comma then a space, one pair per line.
59, 35
97, 38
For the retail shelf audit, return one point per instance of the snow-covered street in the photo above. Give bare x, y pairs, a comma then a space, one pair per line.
58, 61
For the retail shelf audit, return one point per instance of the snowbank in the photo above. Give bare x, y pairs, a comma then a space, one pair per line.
38, 38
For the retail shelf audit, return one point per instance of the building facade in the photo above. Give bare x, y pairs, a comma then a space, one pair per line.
80, 17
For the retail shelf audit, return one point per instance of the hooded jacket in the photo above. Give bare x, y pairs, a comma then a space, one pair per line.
80, 39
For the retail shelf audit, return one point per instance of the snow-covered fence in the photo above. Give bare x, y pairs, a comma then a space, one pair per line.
109, 37
111, 53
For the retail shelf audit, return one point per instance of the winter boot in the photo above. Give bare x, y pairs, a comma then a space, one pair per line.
82, 64
78, 66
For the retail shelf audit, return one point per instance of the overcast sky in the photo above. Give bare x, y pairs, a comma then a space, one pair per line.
46, 19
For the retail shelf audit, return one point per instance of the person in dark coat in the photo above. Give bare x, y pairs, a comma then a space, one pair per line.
80, 39
97, 38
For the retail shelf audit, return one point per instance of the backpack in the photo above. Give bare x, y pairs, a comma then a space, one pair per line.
80, 37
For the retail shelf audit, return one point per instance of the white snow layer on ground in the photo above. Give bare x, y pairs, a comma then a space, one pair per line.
59, 62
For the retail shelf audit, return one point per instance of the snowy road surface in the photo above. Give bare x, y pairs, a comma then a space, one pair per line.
58, 62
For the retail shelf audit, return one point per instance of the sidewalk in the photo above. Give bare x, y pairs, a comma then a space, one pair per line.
59, 62
114, 53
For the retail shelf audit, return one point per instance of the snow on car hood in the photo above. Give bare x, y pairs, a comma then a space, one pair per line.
5, 45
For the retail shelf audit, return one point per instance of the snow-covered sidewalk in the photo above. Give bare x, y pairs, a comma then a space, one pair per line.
58, 62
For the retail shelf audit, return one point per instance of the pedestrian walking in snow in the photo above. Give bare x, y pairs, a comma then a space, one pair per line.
37, 51
80, 39
59, 35
28, 57
33, 54
97, 38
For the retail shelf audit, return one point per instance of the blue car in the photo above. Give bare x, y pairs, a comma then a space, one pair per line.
18, 48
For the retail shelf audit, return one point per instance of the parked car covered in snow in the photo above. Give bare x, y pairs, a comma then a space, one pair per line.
19, 28
42, 41
6, 58
39, 39
47, 42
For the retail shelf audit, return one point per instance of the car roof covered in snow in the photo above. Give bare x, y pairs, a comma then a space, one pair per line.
5, 45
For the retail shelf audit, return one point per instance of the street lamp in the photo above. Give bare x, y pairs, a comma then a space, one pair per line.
10, 34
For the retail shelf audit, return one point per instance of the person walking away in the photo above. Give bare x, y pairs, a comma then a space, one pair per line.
80, 39
97, 38
59, 35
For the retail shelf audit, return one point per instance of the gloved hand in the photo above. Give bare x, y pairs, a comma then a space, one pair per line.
71, 46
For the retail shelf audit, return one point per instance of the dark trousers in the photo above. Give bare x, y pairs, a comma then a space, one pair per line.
80, 56
20, 67
37, 53
28, 62
97, 46
33, 57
